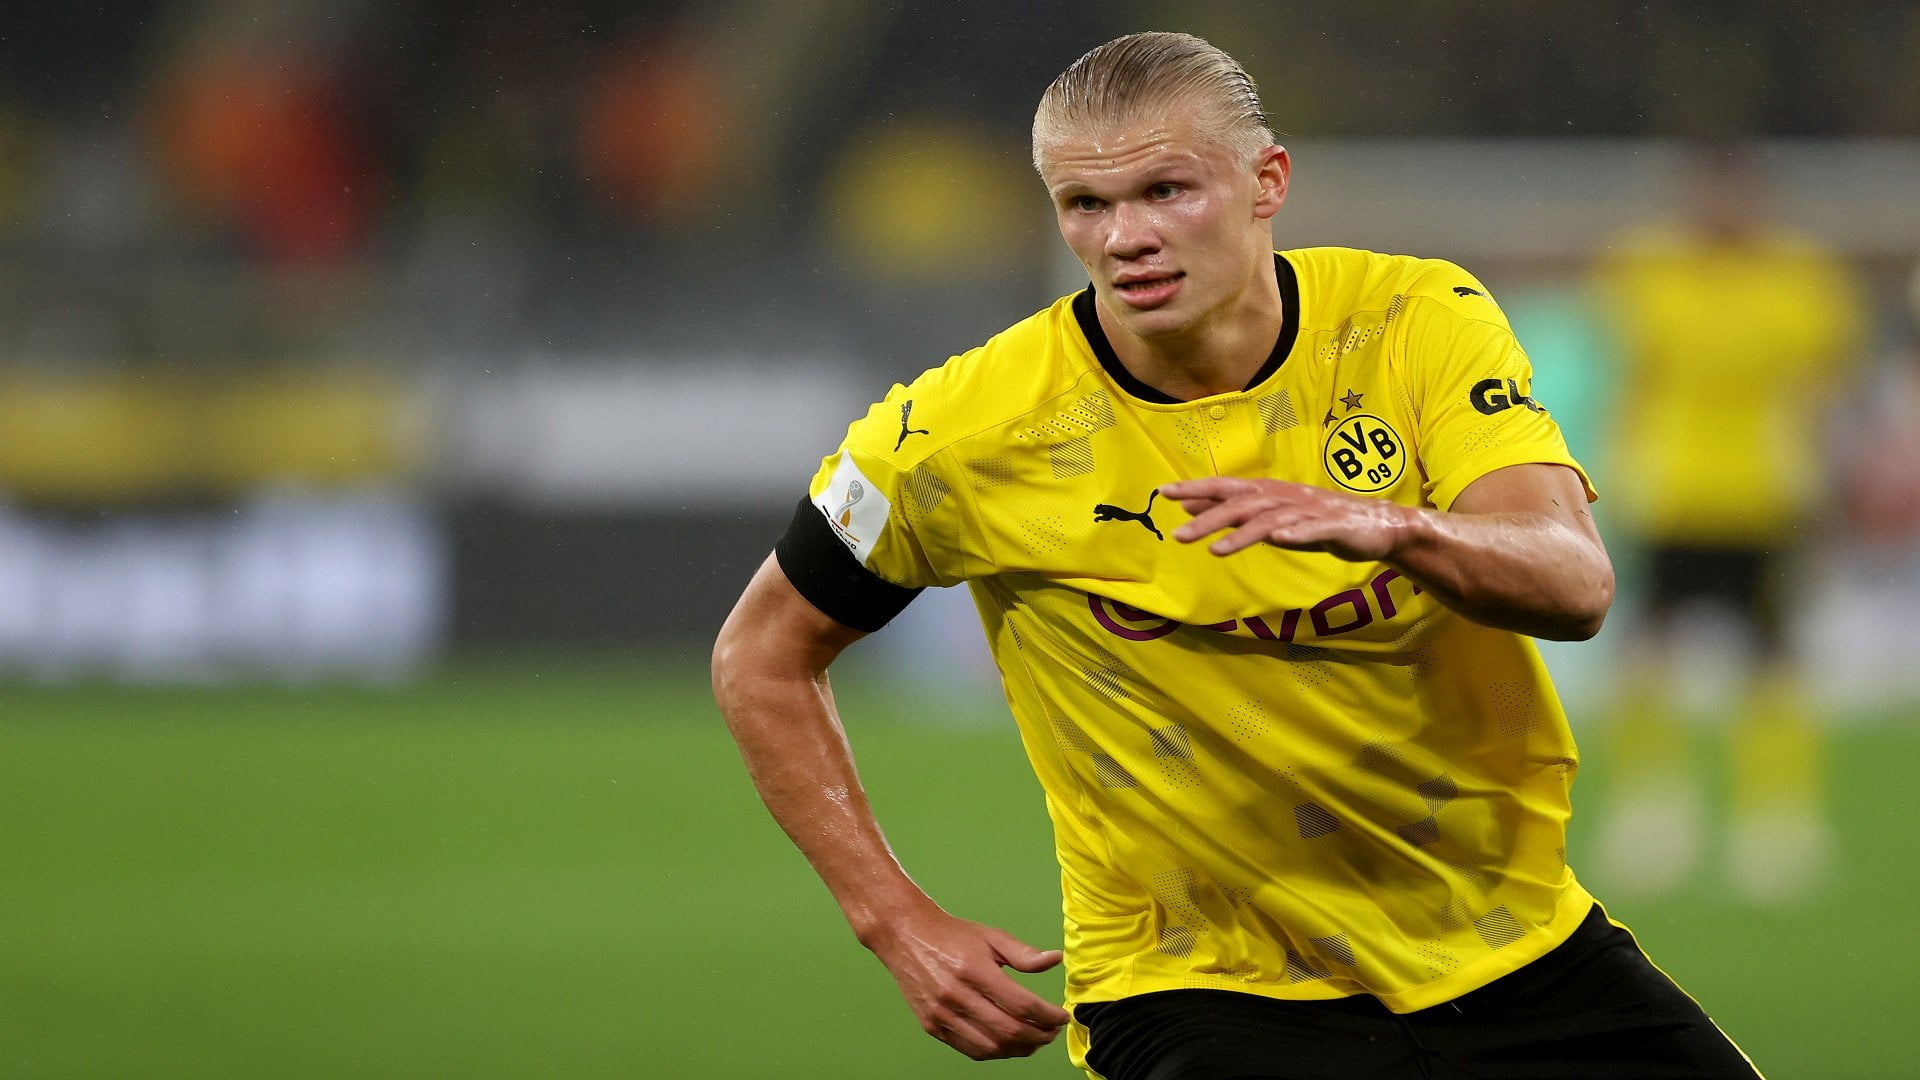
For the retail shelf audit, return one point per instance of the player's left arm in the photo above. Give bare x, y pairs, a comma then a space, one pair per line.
1517, 549
1502, 533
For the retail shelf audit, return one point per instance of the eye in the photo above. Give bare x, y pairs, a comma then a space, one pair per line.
1163, 191
1084, 203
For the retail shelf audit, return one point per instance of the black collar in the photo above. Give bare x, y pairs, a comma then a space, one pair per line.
1089, 320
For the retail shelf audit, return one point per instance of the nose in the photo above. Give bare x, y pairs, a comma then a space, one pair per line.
1131, 231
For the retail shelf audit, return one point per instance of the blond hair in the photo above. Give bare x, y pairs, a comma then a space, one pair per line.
1115, 81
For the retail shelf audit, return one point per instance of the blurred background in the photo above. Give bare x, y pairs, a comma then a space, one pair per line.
395, 396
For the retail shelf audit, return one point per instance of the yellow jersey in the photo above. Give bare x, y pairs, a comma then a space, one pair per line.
1730, 351
1276, 772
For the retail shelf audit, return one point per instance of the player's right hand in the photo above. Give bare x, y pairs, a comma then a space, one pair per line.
948, 969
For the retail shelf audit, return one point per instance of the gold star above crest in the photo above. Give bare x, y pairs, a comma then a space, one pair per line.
1352, 400
1327, 420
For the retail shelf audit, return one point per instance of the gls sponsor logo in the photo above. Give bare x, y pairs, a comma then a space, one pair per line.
1495, 395
1341, 613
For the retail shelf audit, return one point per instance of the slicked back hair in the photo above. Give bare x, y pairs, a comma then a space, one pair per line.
1113, 82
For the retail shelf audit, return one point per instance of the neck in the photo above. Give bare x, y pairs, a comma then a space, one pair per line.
1218, 354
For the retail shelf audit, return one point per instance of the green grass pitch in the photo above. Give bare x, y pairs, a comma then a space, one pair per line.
560, 870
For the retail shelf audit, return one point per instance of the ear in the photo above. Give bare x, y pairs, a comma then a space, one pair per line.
1271, 169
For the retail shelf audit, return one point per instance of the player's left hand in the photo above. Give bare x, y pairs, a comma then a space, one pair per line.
1299, 517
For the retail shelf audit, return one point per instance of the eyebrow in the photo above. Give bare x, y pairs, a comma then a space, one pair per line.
1162, 172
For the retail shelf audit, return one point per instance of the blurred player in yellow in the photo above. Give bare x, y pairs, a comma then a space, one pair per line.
1736, 335
1256, 538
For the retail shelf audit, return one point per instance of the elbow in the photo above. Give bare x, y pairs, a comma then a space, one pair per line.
738, 683
728, 664
1583, 629
719, 668
751, 661
1587, 611
724, 649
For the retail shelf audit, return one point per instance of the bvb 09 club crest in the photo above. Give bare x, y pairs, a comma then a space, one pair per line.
1363, 454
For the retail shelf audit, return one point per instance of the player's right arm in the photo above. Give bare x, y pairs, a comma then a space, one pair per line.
770, 680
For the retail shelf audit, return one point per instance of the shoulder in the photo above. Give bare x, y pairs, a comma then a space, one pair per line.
1341, 278
1444, 290
1337, 282
1017, 370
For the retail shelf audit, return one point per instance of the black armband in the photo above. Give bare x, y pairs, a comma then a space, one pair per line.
824, 571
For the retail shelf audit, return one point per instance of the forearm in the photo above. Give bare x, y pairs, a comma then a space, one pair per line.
1517, 550
770, 680
1530, 573
797, 755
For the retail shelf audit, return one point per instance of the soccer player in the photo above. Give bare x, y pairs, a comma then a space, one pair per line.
1256, 538
1735, 335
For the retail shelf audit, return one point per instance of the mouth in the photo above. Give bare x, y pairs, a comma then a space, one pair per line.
1147, 292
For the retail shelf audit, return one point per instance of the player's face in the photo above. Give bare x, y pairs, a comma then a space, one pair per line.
1172, 226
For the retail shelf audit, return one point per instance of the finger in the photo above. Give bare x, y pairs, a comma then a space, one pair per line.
992, 996
1224, 516
1005, 1032
1261, 529
1036, 1013
1279, 529
960, 1033
1016, 1000
1024, 1005
1027, 1047
961, 1019
1021, 956
1210, 487
1196, 507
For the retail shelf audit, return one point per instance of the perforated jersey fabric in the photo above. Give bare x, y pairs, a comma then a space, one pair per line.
1276, 772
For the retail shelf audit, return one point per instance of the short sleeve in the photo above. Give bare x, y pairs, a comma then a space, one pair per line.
824, 571
1471, 388
894, 519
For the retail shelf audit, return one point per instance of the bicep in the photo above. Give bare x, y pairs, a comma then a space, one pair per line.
1538, 562
772, 624
1554, 491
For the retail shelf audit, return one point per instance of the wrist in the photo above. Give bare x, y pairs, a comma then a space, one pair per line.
876, 924
1409, 529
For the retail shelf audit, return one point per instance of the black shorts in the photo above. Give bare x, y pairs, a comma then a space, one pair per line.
1594, 1007
1744, 581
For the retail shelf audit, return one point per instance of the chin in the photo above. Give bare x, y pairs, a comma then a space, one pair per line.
1168, 321
1162, 328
